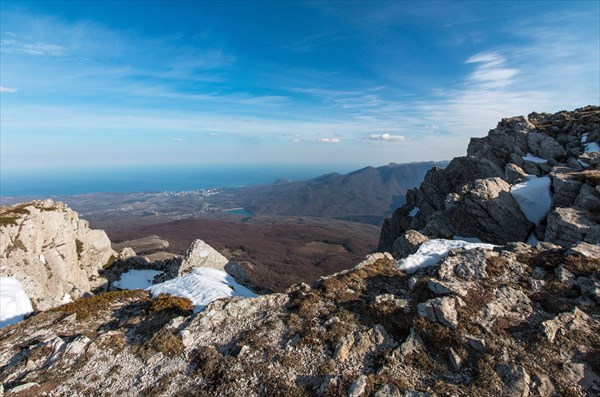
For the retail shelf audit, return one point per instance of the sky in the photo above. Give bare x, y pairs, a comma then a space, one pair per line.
126, 84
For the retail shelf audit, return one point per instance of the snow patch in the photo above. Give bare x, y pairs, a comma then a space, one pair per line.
203, 254
534, 159
414, 212
533, 196
43, 259
467, 239
592, 147
14, 302
432, 251
532, 240
581, 163
202, 286
136, 279
584, 138
67, 299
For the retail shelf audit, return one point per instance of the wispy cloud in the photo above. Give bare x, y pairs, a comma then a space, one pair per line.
38, 48
329, 140
7, 90
491, 71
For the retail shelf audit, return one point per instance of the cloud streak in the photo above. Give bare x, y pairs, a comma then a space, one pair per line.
7, 90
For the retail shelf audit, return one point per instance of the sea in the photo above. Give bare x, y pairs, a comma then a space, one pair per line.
42, 183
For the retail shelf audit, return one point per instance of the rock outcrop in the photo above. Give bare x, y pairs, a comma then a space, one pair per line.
512, 321
53, 253
471, 197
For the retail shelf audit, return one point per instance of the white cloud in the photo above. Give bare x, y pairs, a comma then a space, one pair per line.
387, 137
177, 140
43, 49
329, 140
8, 90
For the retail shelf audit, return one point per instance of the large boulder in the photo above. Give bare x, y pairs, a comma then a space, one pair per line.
484, 209
53, 253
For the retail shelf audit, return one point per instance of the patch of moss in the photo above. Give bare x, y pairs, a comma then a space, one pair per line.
591, 177
165, 341
175, 304
495, 266
87, 307
78, 248
7, 220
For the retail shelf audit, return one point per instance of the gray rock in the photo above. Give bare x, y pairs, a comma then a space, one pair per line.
357, 388
408, 244
542, 385
489, 212
455, 359
388, 390
566, 189
126, 253
544, 146
567, 226
516, 380
588, 200
514, 174
412, 344
201, 254
441, 310
564, 323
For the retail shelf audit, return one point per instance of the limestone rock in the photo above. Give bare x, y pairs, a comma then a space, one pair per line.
568, 226
51, 252
564, 323
516, 380
514, 174
126, 253
586, 250
357, 388
408, 244
201, 254
441, 310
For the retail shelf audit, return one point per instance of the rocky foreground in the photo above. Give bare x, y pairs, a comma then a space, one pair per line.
506, 320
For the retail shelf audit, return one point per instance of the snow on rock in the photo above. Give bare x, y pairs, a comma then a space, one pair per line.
532, 240
43, 259
414, 212
467, 239
136, 279
533, 196
202, 286
534, 159
14, 303
67, 299
432, 251
584, 138
592, 147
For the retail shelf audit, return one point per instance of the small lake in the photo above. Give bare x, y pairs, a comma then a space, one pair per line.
239, 211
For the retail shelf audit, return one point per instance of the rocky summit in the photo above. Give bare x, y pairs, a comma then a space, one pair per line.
488, 284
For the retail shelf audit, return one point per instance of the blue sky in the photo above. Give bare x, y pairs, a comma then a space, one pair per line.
106, 83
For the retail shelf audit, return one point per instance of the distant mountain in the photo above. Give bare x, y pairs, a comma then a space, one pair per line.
367, 195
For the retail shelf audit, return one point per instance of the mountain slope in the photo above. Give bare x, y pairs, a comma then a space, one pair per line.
366, 195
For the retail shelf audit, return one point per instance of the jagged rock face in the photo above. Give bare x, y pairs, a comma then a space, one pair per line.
52, 252
522, 321
467, 198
